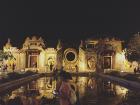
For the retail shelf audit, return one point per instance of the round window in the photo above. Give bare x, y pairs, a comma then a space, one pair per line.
70, 56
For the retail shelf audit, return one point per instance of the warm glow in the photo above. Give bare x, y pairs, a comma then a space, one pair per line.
42, 59
82, 84
82, 66
121, 61
34, 55
120, 57
121, 90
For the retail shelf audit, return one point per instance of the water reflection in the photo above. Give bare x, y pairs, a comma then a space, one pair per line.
91, 91
46, 86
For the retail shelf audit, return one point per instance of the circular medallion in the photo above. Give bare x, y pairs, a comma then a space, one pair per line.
70, 55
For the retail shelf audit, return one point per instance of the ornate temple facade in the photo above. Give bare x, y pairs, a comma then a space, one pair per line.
101, 55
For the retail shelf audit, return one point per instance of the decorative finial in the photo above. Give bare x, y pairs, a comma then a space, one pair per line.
9, 41
8, 44
59, 45
81, 44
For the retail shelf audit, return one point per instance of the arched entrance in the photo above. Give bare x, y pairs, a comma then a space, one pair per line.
33, 56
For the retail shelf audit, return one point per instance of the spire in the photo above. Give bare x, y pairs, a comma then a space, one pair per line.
81, 44
8, 44
59, 45
9, 41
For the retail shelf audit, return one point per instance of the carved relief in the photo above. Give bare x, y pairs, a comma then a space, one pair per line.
51, 63
91, 63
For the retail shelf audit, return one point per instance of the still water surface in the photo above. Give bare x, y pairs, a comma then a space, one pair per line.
90, 92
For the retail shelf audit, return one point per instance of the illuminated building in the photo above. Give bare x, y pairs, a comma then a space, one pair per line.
102, 54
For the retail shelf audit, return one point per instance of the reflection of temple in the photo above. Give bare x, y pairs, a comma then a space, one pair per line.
91, 54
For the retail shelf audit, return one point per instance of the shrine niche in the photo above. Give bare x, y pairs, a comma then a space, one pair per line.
91, 63
107, 62
51, 63
50, 59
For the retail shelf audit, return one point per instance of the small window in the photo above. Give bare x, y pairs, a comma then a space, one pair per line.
90, 46
33, 44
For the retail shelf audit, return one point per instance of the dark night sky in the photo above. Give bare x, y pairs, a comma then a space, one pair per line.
67, 20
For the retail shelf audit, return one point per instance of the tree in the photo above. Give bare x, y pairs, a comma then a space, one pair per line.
6, 56
133, 51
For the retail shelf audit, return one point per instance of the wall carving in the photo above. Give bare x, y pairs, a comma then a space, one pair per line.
88, 56
91, 63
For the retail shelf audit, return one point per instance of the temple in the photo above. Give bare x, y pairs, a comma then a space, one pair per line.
92, 54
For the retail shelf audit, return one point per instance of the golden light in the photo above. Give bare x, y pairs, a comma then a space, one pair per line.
120, 56
41, 84
41, 59
82, 82
82, 66
121, 90
121, 61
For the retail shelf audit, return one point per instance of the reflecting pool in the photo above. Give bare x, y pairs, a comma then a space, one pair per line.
90, 91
